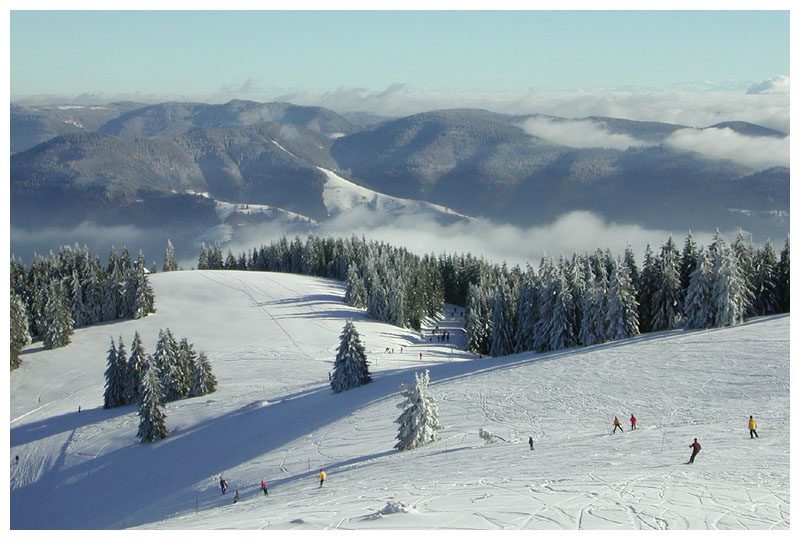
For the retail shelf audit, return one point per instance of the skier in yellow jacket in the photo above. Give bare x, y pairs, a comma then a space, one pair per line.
751, 425
321, 477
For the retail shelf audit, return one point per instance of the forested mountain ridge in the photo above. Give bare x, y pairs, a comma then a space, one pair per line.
144, 165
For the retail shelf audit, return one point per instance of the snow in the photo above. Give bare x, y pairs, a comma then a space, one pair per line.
341, 196
272, 338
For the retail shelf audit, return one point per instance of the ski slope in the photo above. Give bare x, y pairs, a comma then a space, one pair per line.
272, 339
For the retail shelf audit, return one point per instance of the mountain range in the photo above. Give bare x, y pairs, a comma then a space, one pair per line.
169, 167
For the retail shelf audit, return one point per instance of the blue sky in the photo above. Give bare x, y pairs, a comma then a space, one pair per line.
188, 53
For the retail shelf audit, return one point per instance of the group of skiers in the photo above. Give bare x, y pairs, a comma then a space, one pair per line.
618, 426
223, 485
695, 446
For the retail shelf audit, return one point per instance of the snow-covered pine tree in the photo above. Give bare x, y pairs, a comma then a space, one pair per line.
203, 380
593, 309
419, 422
782, 278
115, 380
355, 294
745, 262
645, 289
729, 292
502, 333
20, 335
688, 260
187, 358
765, 290
478, 319
554, 329
143, 297
58, 321
167, 359
77, 308
622, 318
135, 368
698, 307
667, 300
350, 369
169, 258
526, 312
151, 420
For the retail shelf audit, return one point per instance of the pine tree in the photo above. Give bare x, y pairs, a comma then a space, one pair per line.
526, 312
136, 366
698, 307
151, 419
187, 358
169, 258
122, 373
58, 321
20, 335
115, 382
782, 278
667, 299
502, 340
622, 318
203, 380
355, 294
167, 359
765, 289
419, 422
350, 369
729, 294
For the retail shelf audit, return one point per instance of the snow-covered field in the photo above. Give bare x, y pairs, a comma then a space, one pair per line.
272, 339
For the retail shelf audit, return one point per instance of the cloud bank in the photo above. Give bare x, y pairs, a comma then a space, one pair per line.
575, 232
579, 134
756, 152
766, 103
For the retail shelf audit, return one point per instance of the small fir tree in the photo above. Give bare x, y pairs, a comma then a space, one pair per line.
419, 422
20, 335
151, 419
58, 321
115, 382
169, 258
203, 380
350, 369
137, 364
698, 307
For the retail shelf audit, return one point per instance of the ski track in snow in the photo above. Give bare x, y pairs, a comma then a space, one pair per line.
272, 339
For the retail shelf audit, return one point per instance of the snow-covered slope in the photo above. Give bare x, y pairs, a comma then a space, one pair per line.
341, 196
272, 338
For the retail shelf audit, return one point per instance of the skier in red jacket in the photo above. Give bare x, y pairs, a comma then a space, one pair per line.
695, 446
633, 422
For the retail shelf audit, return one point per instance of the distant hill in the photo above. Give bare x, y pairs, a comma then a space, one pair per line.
108, 163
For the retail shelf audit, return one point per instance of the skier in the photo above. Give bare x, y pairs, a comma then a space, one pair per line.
530, 442
264, 488
752, 426
236, 497
321, 477
695, 446
633, 422
616, 425
223, 485
17, 459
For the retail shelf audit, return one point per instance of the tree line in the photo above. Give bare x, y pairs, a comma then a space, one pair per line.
71, 289
581, 300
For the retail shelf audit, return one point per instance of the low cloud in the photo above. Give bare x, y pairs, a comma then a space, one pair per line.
574, 232
756, 152
579, 134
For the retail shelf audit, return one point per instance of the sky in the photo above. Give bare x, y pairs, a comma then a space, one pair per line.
160, 54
